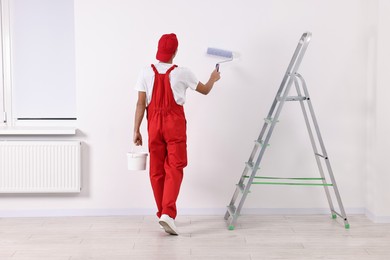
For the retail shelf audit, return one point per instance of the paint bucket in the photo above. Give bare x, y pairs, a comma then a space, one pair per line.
136, 161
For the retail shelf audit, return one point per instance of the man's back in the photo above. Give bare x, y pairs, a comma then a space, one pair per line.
181, 79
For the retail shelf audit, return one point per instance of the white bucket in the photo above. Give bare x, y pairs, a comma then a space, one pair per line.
136, 161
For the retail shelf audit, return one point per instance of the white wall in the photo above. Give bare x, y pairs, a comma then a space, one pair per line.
378, 123
115, 39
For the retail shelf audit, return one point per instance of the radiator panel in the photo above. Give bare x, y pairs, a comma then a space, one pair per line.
40, 166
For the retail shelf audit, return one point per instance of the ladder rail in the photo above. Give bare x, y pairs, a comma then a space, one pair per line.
311, 109
312, 141
292, 68
236, 193
327, 162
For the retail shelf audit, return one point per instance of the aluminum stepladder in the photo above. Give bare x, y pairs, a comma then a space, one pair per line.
248, 177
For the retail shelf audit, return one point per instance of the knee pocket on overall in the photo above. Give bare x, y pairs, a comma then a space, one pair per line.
177, 154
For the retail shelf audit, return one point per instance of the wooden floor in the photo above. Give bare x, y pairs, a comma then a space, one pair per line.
202, 237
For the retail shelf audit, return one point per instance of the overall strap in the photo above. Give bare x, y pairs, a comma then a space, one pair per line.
168, 71
154, 69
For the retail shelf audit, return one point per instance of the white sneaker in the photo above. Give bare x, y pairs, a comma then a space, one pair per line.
168, 224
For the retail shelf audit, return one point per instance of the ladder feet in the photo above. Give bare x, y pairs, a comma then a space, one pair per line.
334, 216
231, 227
347, 226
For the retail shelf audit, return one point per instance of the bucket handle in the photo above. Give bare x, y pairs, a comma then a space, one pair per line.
134, 148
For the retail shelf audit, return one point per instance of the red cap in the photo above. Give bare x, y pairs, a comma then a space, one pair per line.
167, 46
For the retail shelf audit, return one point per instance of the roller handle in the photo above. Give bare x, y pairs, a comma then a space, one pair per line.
217, 67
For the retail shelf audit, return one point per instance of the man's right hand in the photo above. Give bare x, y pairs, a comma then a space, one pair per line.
137, 139
215, 76
206, 88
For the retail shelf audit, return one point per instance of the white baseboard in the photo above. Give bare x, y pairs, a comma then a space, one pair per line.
377, 219
74, 212
189, 211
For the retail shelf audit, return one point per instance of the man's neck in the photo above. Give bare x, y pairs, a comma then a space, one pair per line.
168, 62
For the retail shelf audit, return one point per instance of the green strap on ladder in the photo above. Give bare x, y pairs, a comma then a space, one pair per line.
290, 183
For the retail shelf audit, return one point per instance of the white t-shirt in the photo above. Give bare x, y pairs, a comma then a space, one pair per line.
180, 78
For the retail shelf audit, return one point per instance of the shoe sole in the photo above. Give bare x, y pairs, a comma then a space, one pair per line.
168, 228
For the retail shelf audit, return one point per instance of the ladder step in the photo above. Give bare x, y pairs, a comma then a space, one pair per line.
270, 120
232, 210
241, 187
250, 165
293, 98
260, 142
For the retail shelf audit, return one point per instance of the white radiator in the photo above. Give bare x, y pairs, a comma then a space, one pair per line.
40, 166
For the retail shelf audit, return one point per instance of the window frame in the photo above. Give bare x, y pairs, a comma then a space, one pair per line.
2, 108
6, 64
7, 117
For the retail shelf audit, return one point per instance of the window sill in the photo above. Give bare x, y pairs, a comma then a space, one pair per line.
28, 130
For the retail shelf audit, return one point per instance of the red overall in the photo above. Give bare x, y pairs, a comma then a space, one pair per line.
167, 144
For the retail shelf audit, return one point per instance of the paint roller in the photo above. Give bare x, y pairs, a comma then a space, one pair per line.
228, 55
